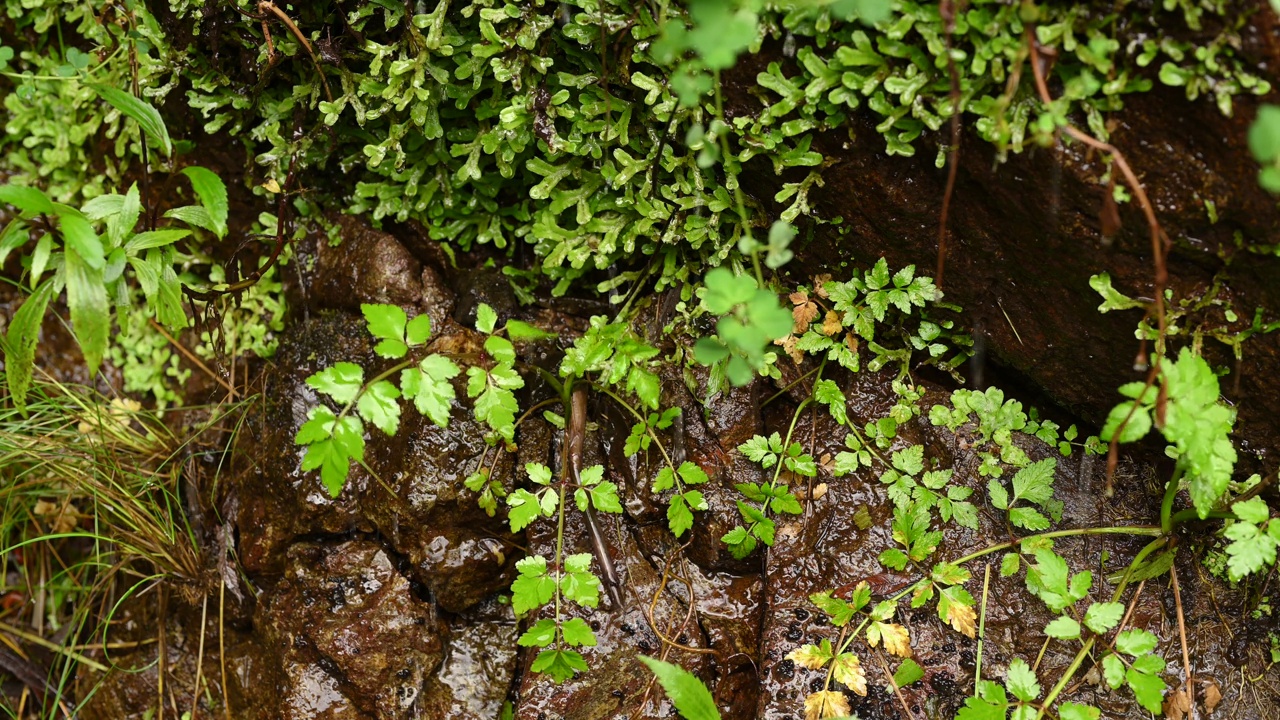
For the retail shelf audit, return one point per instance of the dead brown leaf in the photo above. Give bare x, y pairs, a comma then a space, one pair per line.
1212, 696
1177, 705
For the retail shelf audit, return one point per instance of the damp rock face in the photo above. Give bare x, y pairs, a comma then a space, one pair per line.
1025, 239
352, 640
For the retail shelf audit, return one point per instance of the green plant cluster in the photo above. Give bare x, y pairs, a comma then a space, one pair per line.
100, 256
899, 70
595, 130
1206, 314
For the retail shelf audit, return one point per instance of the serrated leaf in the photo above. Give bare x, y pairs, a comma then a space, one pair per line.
896, 639
1148, 689
486, 318
385, 321
1113, 671
429, 387
840, 611
679, 517
342, 381
691, 473
1010, 564
540, 634
559, 665
1103, 617
418, 330
578, 583
1028, 518
1136, 642
847, 669
664, 480
1063, 628
22, 338
1137, 427
825, 704
1021, 681
378, 405
533, 587
524, 508
813, 657
1034, 483
577, 633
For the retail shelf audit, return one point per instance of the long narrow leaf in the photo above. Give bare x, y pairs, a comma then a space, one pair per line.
147, 117
25, 198
155, 238
684, 688
213, 196
20, 349
79, 234
90, 311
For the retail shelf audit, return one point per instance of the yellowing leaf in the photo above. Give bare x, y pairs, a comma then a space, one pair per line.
825, 704
962, 617
847, 669
896, 639
788, 344
811, 656
831, 324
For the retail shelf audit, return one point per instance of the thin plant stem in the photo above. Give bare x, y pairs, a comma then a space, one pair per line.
982, 629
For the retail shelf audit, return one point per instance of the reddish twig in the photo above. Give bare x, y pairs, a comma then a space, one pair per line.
1159, 244
948, 11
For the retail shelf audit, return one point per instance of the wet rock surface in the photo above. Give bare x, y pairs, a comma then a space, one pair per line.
1025, 238
352, 640
387, 601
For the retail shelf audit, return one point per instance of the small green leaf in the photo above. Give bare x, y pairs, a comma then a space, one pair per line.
1136, 642
378, 405
577, 633
519, 330
418, 330
341, 382
908, 672
560, 665
429, 387
540, 634
679, 517
1103, 617
687, 693
533, 587
1021, 681
385, 321
486, 318
523, 508
1063, 628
